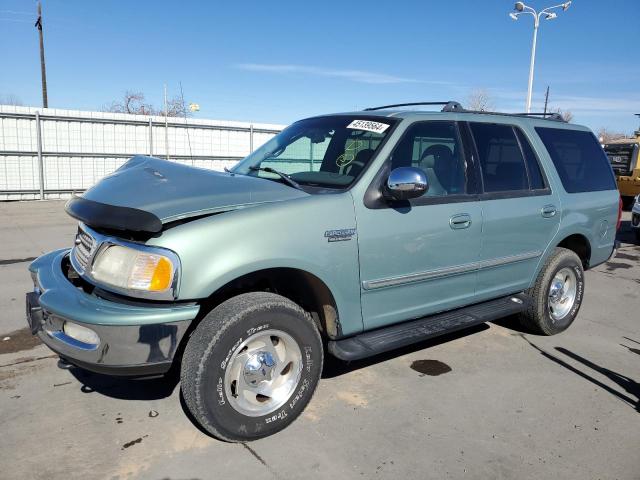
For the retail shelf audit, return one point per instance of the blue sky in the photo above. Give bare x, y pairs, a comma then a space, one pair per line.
279, 61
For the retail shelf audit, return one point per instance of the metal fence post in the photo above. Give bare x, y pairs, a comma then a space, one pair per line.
40, 161
251, 138
150, 137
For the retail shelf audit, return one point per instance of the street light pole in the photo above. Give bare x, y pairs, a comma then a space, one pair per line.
536, 24
520, 8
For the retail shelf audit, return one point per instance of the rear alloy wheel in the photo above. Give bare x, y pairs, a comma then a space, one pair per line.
251, 366
556, 295
562, 293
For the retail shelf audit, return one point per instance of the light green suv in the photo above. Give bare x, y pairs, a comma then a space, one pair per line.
349, 234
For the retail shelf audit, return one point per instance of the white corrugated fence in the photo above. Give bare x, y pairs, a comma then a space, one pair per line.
52, 153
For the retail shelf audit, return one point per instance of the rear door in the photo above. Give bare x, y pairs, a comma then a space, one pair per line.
520, 211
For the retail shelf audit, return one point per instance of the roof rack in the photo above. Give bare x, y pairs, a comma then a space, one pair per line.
545, 115
553, 116
452, 106
449, 106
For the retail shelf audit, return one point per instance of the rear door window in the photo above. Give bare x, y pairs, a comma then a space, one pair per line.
501, 160
579, 159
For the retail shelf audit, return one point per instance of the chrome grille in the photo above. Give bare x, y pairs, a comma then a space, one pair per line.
84, 248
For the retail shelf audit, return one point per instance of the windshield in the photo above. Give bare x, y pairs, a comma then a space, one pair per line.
325, 152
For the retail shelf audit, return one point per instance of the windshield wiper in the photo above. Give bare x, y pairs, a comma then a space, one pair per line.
287, 179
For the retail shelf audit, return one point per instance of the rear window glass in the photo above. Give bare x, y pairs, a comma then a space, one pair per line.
579, 160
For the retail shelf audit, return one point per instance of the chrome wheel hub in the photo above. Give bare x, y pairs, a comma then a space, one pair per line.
263, 372
259, 368
562, 293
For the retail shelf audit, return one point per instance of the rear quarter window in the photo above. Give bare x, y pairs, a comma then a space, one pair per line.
579, 160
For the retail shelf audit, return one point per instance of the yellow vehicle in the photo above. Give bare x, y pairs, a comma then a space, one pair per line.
625, 161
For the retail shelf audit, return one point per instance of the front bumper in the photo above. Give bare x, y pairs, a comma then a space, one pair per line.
133, 339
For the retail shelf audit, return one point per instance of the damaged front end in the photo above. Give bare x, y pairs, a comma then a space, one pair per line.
111, 303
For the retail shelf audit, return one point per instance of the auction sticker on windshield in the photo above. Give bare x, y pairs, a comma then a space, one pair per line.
368, 125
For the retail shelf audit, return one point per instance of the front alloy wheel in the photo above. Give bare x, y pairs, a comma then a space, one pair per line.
251, 366
263, 372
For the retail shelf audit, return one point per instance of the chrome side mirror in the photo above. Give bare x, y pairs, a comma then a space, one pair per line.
405, 183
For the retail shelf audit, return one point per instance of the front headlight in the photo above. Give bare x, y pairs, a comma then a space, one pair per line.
150, 274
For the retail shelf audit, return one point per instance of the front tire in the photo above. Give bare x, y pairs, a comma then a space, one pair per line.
556, 295
251, 366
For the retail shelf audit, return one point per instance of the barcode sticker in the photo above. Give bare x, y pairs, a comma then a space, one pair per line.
368, 125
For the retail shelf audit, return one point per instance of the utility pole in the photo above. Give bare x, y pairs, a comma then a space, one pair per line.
546, 100
43, 70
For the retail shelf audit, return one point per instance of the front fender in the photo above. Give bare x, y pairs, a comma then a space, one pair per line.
218, 249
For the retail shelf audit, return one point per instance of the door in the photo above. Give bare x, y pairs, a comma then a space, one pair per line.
417, 257
520, 212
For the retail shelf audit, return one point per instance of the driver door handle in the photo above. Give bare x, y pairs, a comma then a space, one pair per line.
459, 221
548, 211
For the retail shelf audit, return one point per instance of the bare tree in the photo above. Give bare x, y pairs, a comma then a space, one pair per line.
480, 100
10, 99
605, 135
567, 115
175, 108
134, 103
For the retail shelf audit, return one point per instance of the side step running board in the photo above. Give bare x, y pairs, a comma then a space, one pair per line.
400, 335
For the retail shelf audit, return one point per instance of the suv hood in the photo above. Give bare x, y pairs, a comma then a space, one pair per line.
147, 192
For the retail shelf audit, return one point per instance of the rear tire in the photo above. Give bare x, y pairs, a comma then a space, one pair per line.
251, 366
556, 295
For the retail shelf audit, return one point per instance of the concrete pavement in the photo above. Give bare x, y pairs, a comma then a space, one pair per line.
489, 402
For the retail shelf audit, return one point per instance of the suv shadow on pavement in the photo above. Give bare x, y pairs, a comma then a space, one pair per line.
630, 386
125, 388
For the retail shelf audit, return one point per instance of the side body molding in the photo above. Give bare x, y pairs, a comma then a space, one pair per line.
448, 271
